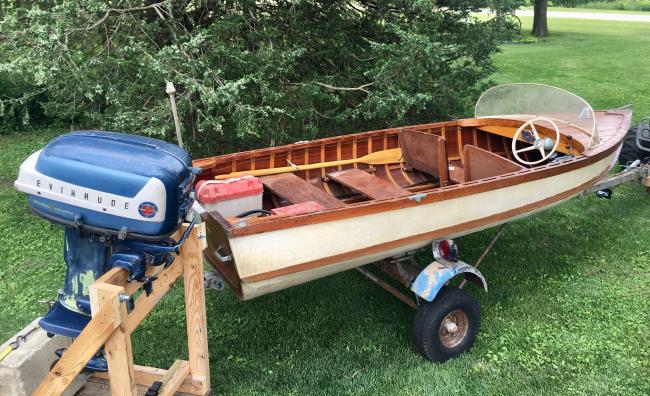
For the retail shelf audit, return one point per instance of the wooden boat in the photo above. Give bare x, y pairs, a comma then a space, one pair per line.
449, 179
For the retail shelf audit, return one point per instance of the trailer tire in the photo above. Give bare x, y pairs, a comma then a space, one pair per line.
447, 326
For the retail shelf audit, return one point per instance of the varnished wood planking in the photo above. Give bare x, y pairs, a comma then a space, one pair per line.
481, 164
223, 164
304, 244
433, 195
296, 190
195, 314
368, 185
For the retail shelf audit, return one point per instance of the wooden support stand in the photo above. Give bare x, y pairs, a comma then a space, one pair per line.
111, 326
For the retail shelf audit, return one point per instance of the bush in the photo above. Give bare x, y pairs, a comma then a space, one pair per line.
248, 73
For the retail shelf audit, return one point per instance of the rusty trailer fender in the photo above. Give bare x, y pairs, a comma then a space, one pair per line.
429, 282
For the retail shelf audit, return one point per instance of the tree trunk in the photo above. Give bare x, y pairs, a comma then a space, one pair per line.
540, 25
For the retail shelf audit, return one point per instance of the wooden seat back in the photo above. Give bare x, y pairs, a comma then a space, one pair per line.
425, 152
480, 164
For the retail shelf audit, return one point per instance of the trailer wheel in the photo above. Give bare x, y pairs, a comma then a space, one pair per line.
447, 326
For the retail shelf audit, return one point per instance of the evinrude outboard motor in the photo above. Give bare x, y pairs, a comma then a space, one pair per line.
120, 197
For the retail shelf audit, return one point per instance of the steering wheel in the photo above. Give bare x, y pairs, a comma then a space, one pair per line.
539, 142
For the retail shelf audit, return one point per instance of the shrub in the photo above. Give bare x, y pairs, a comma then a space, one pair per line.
247, 73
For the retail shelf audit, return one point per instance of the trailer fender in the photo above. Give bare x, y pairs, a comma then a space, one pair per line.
429, 282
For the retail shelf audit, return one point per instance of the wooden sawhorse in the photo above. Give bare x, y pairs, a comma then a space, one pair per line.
111, 326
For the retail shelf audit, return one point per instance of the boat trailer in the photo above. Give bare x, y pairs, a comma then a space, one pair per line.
451, 310
636, 172
439, 305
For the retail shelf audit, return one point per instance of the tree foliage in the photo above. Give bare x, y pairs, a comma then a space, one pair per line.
247, 73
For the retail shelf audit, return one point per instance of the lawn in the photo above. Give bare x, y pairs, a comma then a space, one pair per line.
593, 10
568, 311
602, 61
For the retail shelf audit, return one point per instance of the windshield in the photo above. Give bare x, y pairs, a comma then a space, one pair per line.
528, 101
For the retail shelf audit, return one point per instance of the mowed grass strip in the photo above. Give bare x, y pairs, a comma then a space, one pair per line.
604, 62
568, 309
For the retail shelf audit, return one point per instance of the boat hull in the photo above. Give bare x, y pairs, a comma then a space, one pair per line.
270, 261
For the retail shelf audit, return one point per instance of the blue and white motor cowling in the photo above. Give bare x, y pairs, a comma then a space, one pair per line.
120, 197
111, 182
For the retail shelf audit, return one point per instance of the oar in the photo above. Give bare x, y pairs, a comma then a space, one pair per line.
378, 158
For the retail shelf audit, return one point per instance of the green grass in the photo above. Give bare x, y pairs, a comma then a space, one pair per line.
602, 61
627, 5
568, 311
594, 9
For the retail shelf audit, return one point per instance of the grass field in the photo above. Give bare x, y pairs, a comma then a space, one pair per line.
602, 61
594, 10
568, 311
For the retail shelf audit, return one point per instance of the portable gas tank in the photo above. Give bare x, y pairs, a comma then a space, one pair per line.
120, 197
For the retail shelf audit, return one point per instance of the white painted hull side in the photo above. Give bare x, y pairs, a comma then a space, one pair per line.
270, 251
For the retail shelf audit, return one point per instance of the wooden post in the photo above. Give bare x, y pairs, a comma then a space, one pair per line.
173, 378
197, 330
117, 348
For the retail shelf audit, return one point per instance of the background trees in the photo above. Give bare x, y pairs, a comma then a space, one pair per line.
248, 73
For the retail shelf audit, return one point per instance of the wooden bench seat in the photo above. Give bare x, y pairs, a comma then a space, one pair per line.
297, 190
371, 186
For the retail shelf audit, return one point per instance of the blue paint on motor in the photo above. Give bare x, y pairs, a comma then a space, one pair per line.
113, 161
120, 197
85, 257
134, 262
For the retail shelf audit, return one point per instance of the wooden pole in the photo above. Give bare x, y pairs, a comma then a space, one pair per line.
117, 349
197, 330
171, 90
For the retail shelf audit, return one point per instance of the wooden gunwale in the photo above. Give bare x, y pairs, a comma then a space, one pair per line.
433, 195
208, 162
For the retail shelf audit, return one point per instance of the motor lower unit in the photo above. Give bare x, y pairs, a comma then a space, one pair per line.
120, 198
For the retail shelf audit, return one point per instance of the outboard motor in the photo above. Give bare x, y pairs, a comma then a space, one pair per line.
119, 197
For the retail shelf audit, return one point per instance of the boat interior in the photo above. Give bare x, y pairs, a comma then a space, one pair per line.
429, 156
